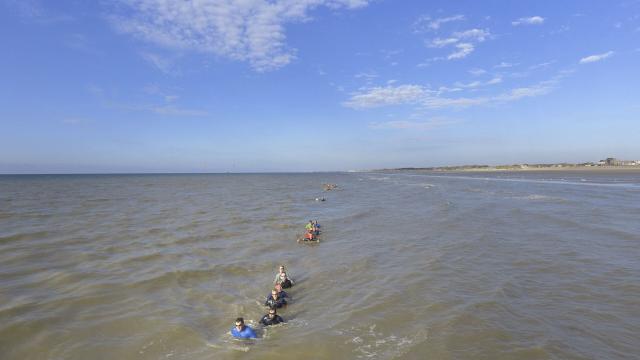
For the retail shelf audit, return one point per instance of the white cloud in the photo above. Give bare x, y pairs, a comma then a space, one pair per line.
503, 65
368, 76
464, 49
428, 99
539, 89
541, 65
387, 95
477, 72
438, 42
462, 40
533, 20
476, 84
595, 58
425, 23
474, 34
248, 30
471, 85
469, 35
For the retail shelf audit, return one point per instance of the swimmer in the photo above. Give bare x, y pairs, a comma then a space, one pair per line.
284, 281
242, 331
309, 226
275, 301
309, 235
281, 270
281, 293
272, 318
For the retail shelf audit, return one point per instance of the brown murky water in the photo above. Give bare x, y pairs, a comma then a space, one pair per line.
411, 266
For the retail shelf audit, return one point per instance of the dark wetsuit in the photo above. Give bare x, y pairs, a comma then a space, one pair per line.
275, 303
266, 320
286, 284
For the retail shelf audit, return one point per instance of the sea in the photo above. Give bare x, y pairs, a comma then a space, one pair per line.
410, 265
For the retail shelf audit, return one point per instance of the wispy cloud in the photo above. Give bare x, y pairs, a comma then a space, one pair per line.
421, 96
464, 49
479, 35
250, 30
367, 76
504, 65
595, 58
533, 20
542, 65
477, 72
386, 95
463, 41
426, 23
162, 63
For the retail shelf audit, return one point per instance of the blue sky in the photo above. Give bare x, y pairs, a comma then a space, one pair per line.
304, 85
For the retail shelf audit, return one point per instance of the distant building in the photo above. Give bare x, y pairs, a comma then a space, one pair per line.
617, 162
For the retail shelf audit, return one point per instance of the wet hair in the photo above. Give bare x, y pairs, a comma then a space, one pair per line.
274, 310
240, 320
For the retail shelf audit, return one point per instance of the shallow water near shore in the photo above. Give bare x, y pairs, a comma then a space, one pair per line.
412, 265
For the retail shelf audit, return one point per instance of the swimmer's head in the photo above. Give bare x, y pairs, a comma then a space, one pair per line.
240, 323
272, 312
278, 287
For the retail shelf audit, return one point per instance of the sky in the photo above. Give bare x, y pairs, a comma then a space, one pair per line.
315, 85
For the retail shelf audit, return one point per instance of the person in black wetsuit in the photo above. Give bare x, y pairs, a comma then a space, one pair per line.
274, 301
272, 318
284, 281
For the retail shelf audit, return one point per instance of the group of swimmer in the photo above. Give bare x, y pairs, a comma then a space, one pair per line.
312, 230
276, 300
278, 297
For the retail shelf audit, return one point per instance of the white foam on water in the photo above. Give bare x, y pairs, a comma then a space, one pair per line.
377, 344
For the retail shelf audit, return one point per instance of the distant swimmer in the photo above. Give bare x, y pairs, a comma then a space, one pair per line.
242, 331
275, 300
281, 270
272, 318
284, 280
309, 235
309, 225
320, 199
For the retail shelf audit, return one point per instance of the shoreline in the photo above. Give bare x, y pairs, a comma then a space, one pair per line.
528, 169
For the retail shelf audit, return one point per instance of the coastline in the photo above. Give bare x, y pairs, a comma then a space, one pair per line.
526, 169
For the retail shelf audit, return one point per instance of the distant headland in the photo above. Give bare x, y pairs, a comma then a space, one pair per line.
606, 164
